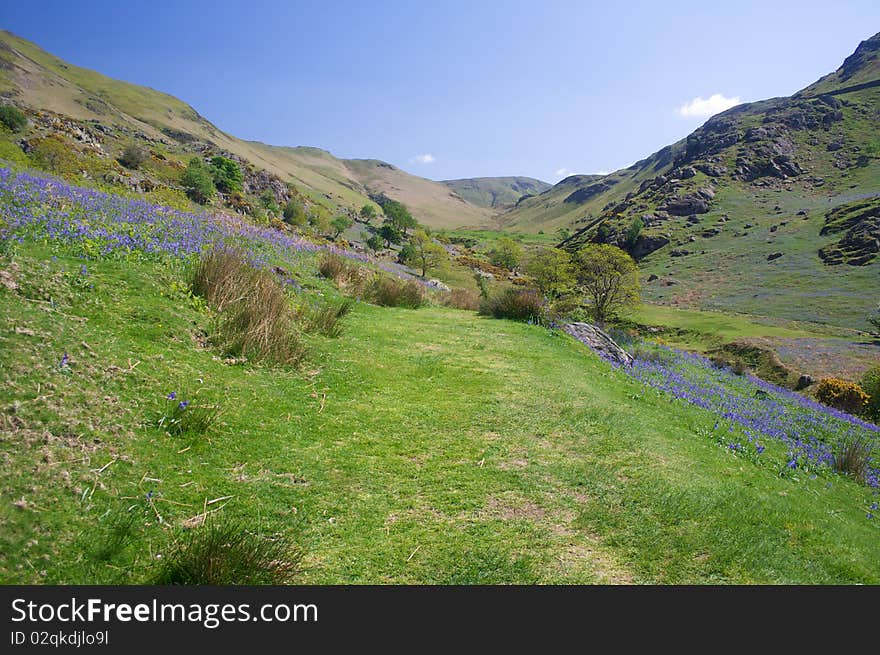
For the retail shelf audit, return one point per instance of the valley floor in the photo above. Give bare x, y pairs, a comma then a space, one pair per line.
422, 446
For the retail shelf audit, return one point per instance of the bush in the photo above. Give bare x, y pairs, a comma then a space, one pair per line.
462, 299
295, 213
133, 156
516, 304
228, 554
12, 153
198, 182
507, 254
871, 386
12, 118
344, 273
840, 394
227, 175
853, 456
389, 292
254, 317
55, 155
325, 318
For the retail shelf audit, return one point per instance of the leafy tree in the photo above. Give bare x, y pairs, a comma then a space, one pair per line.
562, 233
295, 212
227, 175
374, 243
608, 278
340, 224
399, 215
423, 253
198, 181
133, 156
12, 118
508, 254
390, 233
633, 232
368, 213
552, 271
55, 155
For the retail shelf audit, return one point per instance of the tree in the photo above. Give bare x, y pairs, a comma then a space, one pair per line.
508, 253
608, 278
398, 214
227, 175
390, 233
423, 253
374, 243
340, 224
198, 181
12, 118
295, 212
133, 156
552, 271
368, 213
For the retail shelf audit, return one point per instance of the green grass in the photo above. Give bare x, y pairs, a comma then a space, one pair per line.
422, 446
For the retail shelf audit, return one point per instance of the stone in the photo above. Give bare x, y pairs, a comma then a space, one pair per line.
774, 255
600, 342
803, 382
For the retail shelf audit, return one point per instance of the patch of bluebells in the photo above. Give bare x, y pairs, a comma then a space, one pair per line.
808, 429
102, 225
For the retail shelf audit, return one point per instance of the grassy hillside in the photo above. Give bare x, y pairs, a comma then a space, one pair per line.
115, 113
496, 192
738, 215
425, 445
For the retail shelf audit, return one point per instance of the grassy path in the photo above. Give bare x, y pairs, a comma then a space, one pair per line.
421, 446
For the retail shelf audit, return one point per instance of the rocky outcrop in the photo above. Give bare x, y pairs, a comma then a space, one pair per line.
647, 244
600, 342
692, 203
859, 225
582, 195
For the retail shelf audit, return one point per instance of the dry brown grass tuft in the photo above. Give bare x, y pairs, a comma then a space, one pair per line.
254, 316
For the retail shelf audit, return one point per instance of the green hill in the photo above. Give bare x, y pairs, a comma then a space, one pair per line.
105, 115
734, 216
496, 192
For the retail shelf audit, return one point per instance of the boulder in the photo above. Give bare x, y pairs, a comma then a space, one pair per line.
600, 342
774, 255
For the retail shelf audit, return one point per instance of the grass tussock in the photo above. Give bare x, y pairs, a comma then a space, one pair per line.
345, 274
516, 304
389, 292
228, 554
853, 457
325, 318
462, 299
254, 315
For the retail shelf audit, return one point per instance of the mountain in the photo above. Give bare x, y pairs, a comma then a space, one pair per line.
103, 115
496, 192
767, 208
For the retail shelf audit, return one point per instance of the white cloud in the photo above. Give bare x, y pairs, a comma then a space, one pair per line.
603, 172
427, 158
563, 172
704, 107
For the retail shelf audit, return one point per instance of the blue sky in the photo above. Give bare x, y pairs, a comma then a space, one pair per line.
458, 89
